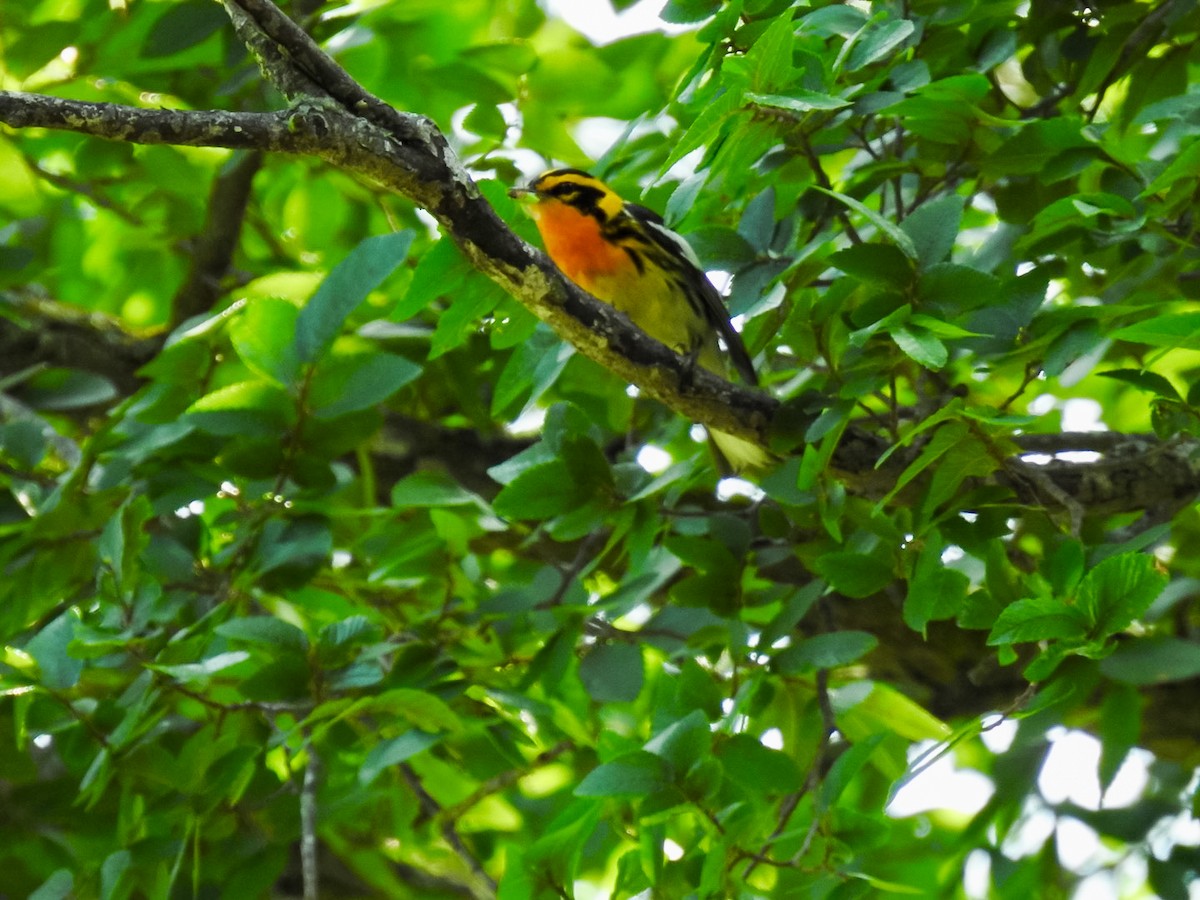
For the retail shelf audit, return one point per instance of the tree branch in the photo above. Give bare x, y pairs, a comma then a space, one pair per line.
212, 251
431, 177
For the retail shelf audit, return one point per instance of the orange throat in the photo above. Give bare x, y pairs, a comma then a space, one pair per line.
573, 240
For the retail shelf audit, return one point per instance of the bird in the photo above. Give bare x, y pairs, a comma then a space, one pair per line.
625, 255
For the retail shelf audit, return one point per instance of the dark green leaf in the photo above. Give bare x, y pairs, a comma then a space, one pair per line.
797, 100
825, 651
934, 227
881, 263
393, 752
430, 489
59, 886
539, 492
60, 671
684, 742
886, 227
245, 408
877, 41
1153, 660
1038, 619
920, 346
344, 288
264, 337
1168, 330
856, 574
348, 384
1120, 729
266, 630
1146, 380
182, 25
1119, 590
634, 774
846, 768
764, 770
612, 673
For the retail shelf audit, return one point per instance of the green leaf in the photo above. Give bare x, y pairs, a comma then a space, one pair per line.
933, 227
113, 870
934, 592
1031, 149
613, 673
477, 297
920, 346
181, 26
684, 742
1118, 590
890, 229
393, 752
423, 489
58, 389
122, 542
486, 120
247, 408
825, 651
1120, 728
533, 367
762, 769
357, 629
954, 289
879, 263
59, 670
634, 774
440, 272
946, 438
1153, 660
24, 441
884, 709
706, 127
423, 709
299, 545
837, 19
878, 40
539, 492
344, 288
845, 769
1184, 166
1038, 619
686, 12
200, 671
797, 100
345, 384
856, 574
1144, 379
266, 630
770, 59
59, 886
1169, 330
968, 458
264, 337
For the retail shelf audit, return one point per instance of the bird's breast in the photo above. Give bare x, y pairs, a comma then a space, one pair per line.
577, 246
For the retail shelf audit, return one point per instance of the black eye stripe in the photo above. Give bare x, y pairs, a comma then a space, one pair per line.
583, 197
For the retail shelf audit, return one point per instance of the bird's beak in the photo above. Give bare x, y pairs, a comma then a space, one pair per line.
523, 194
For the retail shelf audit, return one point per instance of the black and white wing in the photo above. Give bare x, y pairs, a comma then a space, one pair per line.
700, 291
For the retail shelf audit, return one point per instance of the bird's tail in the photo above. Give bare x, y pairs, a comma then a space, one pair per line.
735, 454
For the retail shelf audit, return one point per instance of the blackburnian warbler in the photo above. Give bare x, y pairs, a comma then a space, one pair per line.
623, 254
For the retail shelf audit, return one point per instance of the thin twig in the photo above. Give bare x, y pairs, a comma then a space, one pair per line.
816, 772
310, 874
433, 810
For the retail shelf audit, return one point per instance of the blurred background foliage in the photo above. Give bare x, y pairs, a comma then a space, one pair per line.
317, 518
